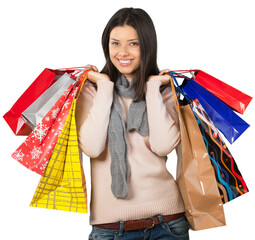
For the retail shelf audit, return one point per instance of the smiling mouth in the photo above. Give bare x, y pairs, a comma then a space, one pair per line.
125, 62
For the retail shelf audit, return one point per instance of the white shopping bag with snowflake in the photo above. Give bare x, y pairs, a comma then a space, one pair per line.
34, 153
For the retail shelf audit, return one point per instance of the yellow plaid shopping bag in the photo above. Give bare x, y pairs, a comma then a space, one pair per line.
63, 185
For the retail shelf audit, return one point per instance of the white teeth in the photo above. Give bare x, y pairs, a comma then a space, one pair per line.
121, 61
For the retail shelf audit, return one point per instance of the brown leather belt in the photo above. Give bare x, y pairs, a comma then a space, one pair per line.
140, 223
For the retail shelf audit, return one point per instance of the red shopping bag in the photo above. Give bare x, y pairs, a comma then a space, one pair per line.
13, 117
234, 98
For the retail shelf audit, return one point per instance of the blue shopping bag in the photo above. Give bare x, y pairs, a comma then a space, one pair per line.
223, 117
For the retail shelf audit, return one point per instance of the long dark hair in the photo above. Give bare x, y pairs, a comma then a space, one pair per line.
142, 23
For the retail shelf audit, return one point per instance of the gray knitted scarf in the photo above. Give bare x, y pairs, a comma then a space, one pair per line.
137, 119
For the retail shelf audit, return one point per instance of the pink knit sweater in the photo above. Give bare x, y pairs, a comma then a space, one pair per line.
152, 189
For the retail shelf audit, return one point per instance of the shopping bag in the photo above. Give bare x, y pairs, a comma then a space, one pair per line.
13, 117
41, 106
224, 118
63, 186
229, 179
234, 98
195, 174
35, 151
195, 177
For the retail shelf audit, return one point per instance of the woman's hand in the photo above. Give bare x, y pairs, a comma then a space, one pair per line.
164, 71
163, 78
95, 76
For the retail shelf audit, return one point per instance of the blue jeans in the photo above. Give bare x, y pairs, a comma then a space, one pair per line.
173, 230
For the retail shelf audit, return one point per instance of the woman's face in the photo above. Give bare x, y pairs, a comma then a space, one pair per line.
124, 50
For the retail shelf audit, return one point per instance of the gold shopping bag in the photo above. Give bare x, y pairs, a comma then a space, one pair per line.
63, 185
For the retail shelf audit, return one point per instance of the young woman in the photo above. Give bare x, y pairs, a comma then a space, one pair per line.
127, 125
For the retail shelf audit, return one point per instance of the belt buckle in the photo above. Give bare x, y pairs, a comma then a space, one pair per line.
153, 222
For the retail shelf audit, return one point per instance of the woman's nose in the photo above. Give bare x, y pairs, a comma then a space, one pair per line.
123, 51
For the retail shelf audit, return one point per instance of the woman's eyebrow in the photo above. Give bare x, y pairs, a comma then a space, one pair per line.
115, 39
130, 40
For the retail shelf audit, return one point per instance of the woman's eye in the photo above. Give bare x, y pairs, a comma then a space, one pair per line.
115, 43
134, 43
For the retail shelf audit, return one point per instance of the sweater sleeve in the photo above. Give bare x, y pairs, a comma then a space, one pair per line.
92, 116
164, 134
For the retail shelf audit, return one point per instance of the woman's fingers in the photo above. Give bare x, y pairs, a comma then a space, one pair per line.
94, 68
163, 78
94, 76
164, 71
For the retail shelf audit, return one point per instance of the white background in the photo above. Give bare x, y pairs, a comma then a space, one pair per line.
215, 36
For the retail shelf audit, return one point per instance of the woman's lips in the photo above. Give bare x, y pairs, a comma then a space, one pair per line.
125, 62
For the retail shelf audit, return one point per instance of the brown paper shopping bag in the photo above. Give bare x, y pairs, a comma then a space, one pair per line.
196, 177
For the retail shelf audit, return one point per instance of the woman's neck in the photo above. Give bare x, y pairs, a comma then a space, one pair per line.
129, 81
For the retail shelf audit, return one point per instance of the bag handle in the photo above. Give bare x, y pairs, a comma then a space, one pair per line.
193, 72
70, 69
176, 85
73, 69
186, 71
81, 79
176, 101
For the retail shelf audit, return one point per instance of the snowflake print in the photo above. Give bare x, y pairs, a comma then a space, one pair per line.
36, 152
74, 92
44, 165
47, 119
66, 92
55, 113
27, 140
67, 103
50, 146
40, 131
60, 127
18, 155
